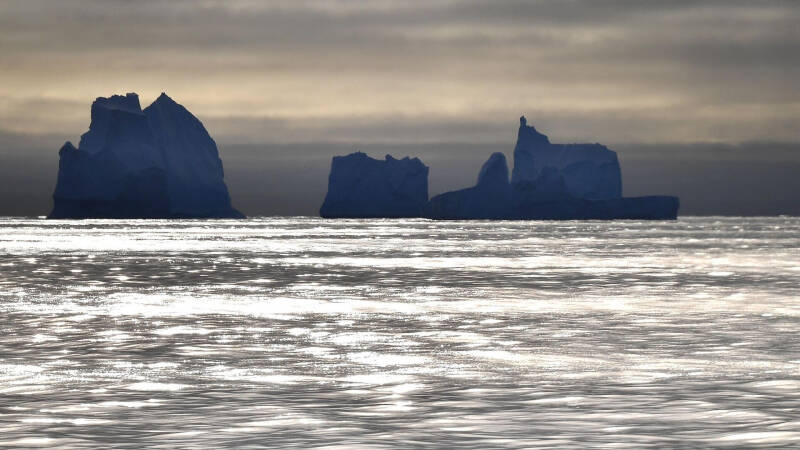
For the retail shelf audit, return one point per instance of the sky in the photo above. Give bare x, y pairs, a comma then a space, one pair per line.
699, 98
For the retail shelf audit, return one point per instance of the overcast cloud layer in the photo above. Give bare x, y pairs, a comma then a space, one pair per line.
683, 77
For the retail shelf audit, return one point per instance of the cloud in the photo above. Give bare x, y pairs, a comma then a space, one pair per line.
715, 70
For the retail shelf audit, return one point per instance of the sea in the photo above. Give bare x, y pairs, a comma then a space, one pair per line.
301, 332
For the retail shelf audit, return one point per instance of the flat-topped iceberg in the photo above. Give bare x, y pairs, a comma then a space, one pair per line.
360, 186
159, 162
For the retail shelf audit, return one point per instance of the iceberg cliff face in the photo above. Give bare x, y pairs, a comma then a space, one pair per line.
194, 170
360, 186
590, 171
156, 163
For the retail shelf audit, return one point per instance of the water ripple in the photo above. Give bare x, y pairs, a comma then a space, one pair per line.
303, 332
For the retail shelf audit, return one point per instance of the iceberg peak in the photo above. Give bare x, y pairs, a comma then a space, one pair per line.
529, 134
494, 171
490, 198
360, 186
164, 98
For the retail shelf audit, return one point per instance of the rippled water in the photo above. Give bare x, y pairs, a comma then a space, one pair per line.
303, 332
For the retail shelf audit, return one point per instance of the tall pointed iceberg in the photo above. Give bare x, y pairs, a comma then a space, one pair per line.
159, 162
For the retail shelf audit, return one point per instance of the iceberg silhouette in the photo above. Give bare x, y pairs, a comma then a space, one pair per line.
552, 181
589, 171
490, 198
159, 162
548, 182
360, 186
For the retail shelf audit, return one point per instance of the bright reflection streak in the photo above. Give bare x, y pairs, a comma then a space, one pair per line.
310, 333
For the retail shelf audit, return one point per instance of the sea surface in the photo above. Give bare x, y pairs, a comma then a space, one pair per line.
304, 333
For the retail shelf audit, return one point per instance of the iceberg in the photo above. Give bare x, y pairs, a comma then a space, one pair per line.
590, 171
490, 198
361, 187
550, 182
159, 162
